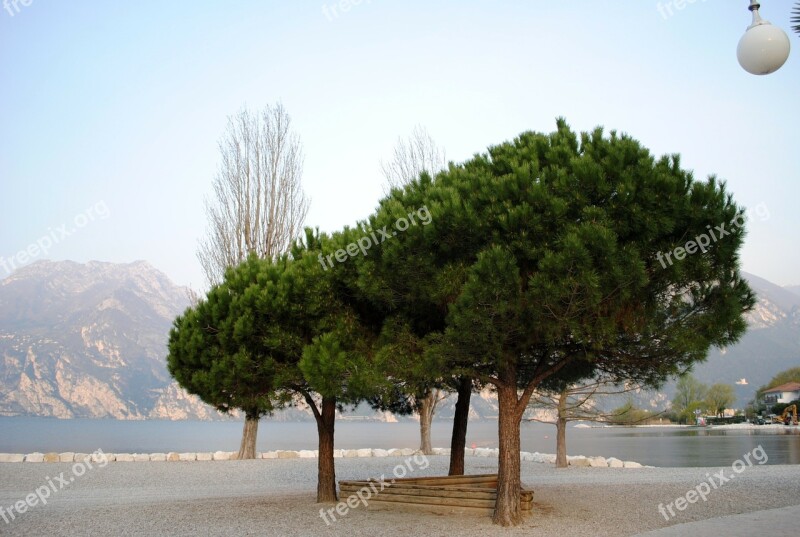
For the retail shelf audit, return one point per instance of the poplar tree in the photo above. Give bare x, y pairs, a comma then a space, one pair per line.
258, 205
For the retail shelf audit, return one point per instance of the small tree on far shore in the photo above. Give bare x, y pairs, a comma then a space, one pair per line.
578, 402
629, 414
719, 397
690, 396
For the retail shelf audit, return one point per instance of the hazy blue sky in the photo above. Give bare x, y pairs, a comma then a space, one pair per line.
114, 108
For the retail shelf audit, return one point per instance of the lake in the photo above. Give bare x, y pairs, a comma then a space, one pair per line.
655, 446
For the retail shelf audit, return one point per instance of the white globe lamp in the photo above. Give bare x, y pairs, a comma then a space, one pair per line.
764, 48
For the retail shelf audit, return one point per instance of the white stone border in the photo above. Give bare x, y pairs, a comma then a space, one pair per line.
578, 461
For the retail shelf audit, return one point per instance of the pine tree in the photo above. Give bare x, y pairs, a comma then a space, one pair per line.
275, 331
212, 353
547, 257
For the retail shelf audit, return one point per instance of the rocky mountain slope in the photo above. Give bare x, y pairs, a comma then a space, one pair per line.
771, 345
89, 340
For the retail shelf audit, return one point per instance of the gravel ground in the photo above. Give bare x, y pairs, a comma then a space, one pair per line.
276, 498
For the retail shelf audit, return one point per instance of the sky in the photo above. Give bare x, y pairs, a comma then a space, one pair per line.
110, 112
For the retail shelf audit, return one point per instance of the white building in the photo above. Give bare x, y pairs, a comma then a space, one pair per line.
785, 393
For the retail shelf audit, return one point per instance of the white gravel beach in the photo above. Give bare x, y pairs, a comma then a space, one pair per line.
276, 498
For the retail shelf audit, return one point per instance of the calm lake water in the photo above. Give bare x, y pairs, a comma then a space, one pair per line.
656, 446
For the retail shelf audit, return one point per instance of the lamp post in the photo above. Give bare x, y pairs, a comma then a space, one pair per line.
764, 48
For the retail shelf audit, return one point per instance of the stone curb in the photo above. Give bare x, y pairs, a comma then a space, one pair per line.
543, 458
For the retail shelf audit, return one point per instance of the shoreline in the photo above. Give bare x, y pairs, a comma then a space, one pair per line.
767, 426
100, 456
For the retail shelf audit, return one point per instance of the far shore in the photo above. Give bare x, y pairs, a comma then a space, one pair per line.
673, 425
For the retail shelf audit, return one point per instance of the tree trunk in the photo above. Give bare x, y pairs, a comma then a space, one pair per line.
561, 431
458, 441
426, 408
507, 510
326, 471
561, 443
247, 449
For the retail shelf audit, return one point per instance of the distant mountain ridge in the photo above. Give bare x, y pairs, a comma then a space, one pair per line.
771, 344
89, 340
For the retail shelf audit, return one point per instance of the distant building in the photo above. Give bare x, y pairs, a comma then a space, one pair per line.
785, 393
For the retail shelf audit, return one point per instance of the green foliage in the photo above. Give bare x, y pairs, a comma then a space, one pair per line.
719, 397
628, 414
784, 377
216, 348
335, 367
410, 363
273, 328
338, 329
690, 395
780, 407
544, 251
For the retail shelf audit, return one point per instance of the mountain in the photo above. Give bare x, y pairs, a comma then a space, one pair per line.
770, 345
89, 340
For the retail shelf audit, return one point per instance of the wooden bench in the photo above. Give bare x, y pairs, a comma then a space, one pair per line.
461, 494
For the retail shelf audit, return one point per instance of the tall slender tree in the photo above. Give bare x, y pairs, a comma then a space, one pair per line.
412, 156
258, 206
416, 154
